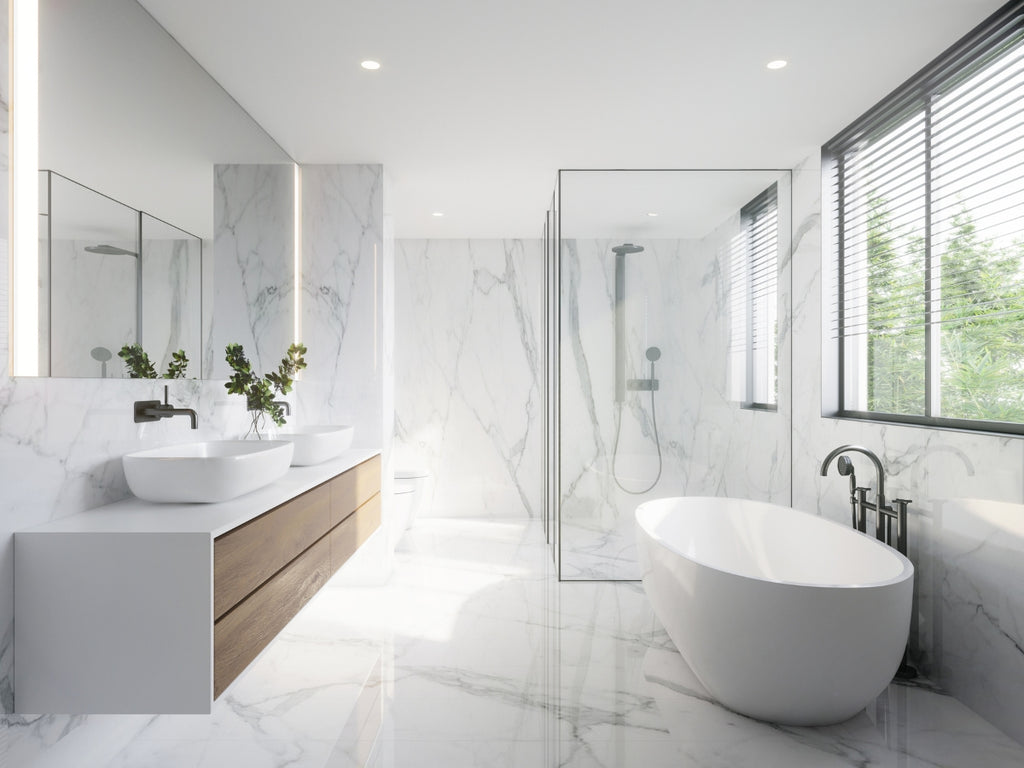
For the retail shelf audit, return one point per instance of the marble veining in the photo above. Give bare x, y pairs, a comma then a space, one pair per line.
254, 267
677, 298
341, 301
474, 654
468, 392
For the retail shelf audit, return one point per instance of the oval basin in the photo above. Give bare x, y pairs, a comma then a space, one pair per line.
211, 471
314, 445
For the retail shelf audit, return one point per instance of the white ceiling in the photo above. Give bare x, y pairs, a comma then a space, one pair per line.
479, 102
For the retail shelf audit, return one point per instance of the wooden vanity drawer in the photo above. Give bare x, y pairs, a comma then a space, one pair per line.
247, 556
241, 634
352, 488
347, 537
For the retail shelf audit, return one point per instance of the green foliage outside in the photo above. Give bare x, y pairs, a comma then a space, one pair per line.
981, 338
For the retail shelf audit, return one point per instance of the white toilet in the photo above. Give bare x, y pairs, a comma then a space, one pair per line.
411, 489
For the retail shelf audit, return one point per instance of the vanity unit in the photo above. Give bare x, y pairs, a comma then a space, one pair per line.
138, 607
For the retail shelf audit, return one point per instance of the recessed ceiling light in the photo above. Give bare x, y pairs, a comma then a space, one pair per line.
652, 214
776, 64
370, 64
438, 214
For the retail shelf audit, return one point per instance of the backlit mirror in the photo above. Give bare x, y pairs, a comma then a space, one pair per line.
124, 111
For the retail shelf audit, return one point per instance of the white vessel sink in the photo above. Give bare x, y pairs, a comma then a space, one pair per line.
314, 445
210, 471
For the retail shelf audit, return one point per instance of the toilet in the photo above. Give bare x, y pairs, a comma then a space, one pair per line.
411, 489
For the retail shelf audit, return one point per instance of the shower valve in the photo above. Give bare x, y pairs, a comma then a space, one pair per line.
642, 385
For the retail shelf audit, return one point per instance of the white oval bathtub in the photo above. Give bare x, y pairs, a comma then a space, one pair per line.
781, 615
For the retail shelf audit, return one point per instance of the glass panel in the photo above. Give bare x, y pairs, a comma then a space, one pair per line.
977, 194
94, 280
644, 402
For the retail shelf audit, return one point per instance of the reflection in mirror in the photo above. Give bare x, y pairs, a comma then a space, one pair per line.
110, 275
171, 317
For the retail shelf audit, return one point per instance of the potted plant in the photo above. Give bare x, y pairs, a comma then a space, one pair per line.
260, 391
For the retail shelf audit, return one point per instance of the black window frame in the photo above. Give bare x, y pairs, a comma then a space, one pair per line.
756, 260
912, 96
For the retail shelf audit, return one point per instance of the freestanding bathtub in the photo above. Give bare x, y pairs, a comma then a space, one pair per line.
781, 615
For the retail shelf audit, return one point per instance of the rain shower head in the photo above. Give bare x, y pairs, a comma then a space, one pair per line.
627, 248
109, 250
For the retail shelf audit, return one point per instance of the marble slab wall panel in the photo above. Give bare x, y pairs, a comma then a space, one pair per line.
966, 523
468, 382
676, 298
342, 299
254, 266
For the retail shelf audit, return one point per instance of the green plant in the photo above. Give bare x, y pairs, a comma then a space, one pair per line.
139, 366
260, 391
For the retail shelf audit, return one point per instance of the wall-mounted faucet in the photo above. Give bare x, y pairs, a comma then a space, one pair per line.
286, 405
885, 515
154, 410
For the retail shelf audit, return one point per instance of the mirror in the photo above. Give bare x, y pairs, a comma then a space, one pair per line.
124, 110
112, 276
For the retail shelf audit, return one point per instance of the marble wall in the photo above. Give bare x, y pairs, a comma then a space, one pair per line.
346, 307
468, 382
254, 264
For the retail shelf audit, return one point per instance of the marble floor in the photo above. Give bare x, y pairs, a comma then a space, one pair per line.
473, 655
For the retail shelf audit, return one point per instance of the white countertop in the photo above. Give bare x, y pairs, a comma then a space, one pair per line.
133, 515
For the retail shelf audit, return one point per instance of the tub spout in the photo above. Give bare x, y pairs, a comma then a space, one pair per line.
879, 473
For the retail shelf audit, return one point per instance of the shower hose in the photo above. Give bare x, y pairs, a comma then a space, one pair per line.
657, 443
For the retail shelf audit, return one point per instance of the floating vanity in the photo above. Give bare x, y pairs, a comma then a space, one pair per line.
138, 607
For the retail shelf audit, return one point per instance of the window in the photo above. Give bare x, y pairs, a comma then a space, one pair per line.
753, 284
927, 200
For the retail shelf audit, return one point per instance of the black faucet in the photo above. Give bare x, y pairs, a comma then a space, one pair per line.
885, 515
154, 410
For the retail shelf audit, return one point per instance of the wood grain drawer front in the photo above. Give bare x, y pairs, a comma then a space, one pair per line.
354, 531
351, 489
240, 635
249, 555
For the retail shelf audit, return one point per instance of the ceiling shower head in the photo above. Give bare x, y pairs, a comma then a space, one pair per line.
109, 250
627, 248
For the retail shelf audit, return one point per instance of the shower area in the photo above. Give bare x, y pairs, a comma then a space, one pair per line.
667, 365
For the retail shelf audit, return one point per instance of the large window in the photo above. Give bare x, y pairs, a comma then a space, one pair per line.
927, 199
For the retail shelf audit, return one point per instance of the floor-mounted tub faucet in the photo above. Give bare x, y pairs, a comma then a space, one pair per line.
154, 410
885, 515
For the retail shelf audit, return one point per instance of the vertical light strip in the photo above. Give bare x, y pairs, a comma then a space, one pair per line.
376, 310
24, 186
297, 257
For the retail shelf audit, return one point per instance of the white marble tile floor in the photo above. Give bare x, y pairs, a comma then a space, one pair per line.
473, 655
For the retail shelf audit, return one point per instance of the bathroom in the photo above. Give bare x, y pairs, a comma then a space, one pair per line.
442, 337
